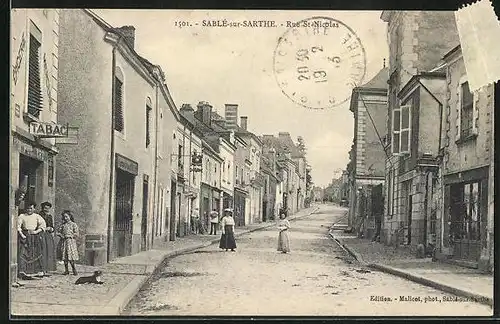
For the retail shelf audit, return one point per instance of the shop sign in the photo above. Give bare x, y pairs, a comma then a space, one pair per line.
29, 150
42, 129
127, 164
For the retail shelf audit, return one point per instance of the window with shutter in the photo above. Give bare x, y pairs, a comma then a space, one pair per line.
34, 78
119, 122
396, 126
148, 125
401, 130
466, 110
405, 129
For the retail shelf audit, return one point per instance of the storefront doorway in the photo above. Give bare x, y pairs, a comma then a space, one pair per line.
30, 178
465, 229
144, 221
123, 213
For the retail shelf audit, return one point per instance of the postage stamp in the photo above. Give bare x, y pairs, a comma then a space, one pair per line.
318, 61
478, 28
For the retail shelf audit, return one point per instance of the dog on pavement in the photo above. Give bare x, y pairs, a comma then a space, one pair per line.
93, 279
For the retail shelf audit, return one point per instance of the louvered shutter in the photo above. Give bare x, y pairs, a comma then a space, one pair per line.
34, 79
119, 105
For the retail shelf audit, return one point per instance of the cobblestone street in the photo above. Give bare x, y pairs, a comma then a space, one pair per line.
316, 278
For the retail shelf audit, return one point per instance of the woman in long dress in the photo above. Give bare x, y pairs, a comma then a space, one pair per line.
49, 255
30, 227
227, 240
283, 239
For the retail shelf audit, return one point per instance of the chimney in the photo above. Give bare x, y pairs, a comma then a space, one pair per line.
244, 122
204, 112
231, 115
186, 108
129, 34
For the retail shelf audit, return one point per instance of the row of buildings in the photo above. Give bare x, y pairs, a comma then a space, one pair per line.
94, 129
421, 162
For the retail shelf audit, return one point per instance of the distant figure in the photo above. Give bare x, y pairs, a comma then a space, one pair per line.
283, 240
68, 232
227, 240
214, 221
195, 219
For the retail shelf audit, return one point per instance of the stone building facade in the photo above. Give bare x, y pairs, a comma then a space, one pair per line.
369, 106
466, 223
34, 77
417, 42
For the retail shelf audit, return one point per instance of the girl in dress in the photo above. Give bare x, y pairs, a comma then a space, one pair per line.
227, 240
283, 240
30, 227
67, 233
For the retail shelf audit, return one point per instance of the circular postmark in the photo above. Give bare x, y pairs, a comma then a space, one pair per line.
318, 61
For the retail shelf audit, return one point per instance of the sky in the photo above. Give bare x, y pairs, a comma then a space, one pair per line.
235, 65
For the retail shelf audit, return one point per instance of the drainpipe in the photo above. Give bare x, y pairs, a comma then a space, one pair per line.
155, 189
112, 149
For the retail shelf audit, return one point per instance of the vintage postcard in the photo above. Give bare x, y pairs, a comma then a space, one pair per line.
252, 162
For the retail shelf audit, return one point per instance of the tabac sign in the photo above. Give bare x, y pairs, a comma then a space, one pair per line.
41, 129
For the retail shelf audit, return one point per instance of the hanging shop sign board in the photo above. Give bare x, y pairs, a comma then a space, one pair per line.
42, 129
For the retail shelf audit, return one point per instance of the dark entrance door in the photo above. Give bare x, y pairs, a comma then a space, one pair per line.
409, 218
466, 199
173, 210
206, 211
144, 221
28, 180
123, 213
264, 211
377, 208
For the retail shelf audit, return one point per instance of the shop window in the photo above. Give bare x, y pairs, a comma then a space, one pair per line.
465, 211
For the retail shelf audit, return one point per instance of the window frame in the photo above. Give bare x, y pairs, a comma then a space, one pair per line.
460, 136
36, 34
119, 76
401, 130
149, 120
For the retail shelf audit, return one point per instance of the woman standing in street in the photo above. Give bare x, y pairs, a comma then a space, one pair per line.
283, 240
68, 232
30, 227
49, 255
227, 240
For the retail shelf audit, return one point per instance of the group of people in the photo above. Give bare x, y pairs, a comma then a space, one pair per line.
227, 240
38, 253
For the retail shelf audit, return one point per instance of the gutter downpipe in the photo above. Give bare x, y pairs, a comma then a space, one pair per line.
112, 148
155, 188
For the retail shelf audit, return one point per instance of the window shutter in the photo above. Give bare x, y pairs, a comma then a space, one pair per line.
148, 125
446, 216
34, 79
405, 129
396, 125
475, 112
458, 121
119, 105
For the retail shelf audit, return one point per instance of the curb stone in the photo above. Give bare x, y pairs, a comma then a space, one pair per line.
418, 279
123, 298
434, 284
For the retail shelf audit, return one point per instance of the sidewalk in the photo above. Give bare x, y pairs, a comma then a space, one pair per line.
58, 295
463, 282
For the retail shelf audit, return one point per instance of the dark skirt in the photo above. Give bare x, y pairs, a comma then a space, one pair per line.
283, 241
227, 240
49, 251
30, 253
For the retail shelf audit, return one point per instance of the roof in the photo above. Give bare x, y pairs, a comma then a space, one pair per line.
282, 145
201, 128
379, 81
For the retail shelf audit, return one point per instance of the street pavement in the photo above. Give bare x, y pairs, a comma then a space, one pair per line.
318, 278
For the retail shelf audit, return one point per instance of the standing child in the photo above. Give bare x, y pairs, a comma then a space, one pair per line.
283, 240
67, 233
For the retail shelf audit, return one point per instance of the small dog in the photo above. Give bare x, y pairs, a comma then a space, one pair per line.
95, 279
